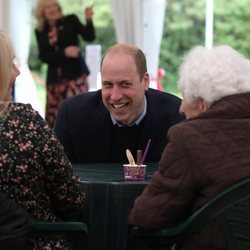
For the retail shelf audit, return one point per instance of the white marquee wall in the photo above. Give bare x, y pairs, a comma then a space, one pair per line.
140, 22
15, 19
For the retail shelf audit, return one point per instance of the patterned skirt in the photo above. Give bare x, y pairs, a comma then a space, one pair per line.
57, 93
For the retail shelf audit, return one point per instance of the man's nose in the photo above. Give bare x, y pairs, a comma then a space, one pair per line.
116, 93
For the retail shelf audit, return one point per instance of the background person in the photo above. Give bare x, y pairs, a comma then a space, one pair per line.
99, 126
34, 171
58, 42
206, 153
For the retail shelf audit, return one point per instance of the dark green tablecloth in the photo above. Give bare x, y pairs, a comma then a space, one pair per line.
108, 201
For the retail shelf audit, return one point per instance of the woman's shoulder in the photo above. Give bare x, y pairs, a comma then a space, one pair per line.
21, 107
190, 130
24, 117
23, 111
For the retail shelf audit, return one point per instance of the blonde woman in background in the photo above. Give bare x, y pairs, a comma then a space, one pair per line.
58, 42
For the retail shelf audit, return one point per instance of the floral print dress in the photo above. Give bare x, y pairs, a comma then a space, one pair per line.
34, 170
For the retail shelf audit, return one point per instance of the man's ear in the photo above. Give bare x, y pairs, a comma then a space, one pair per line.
146, 81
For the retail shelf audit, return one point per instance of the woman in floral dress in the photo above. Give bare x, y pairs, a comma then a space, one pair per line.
34, 170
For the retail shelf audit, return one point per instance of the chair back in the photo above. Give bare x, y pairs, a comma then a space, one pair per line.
75, 232
231, 207
15, 224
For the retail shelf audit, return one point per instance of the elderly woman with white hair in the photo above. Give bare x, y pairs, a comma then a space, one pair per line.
206, 153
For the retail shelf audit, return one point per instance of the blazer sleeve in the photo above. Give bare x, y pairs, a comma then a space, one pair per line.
62, 131
86, 31
168, 197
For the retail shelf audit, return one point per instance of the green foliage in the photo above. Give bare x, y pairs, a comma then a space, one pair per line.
232, 24
183, 28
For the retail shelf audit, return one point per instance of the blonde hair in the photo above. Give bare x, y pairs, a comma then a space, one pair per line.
6, 61
39, 13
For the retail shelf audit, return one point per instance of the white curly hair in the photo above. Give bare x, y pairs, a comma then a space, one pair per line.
212, 74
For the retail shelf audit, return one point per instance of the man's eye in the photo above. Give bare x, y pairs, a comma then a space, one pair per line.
106, 85
125, 84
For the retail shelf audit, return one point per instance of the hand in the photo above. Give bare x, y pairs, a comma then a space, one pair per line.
72, 51
89, 13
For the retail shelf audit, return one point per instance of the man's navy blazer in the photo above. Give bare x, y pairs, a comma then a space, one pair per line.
83, 126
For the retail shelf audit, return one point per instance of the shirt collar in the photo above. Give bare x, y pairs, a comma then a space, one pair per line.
142, 115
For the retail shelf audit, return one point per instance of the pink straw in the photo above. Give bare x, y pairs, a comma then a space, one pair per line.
145, 152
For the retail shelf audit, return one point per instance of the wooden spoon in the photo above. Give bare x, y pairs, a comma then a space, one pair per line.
130, 157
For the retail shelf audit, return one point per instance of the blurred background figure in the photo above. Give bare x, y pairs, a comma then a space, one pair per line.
58, 43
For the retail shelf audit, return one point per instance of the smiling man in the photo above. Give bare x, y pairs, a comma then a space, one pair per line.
99, 126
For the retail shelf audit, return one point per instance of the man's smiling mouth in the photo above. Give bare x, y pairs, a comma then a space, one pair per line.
119, 106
